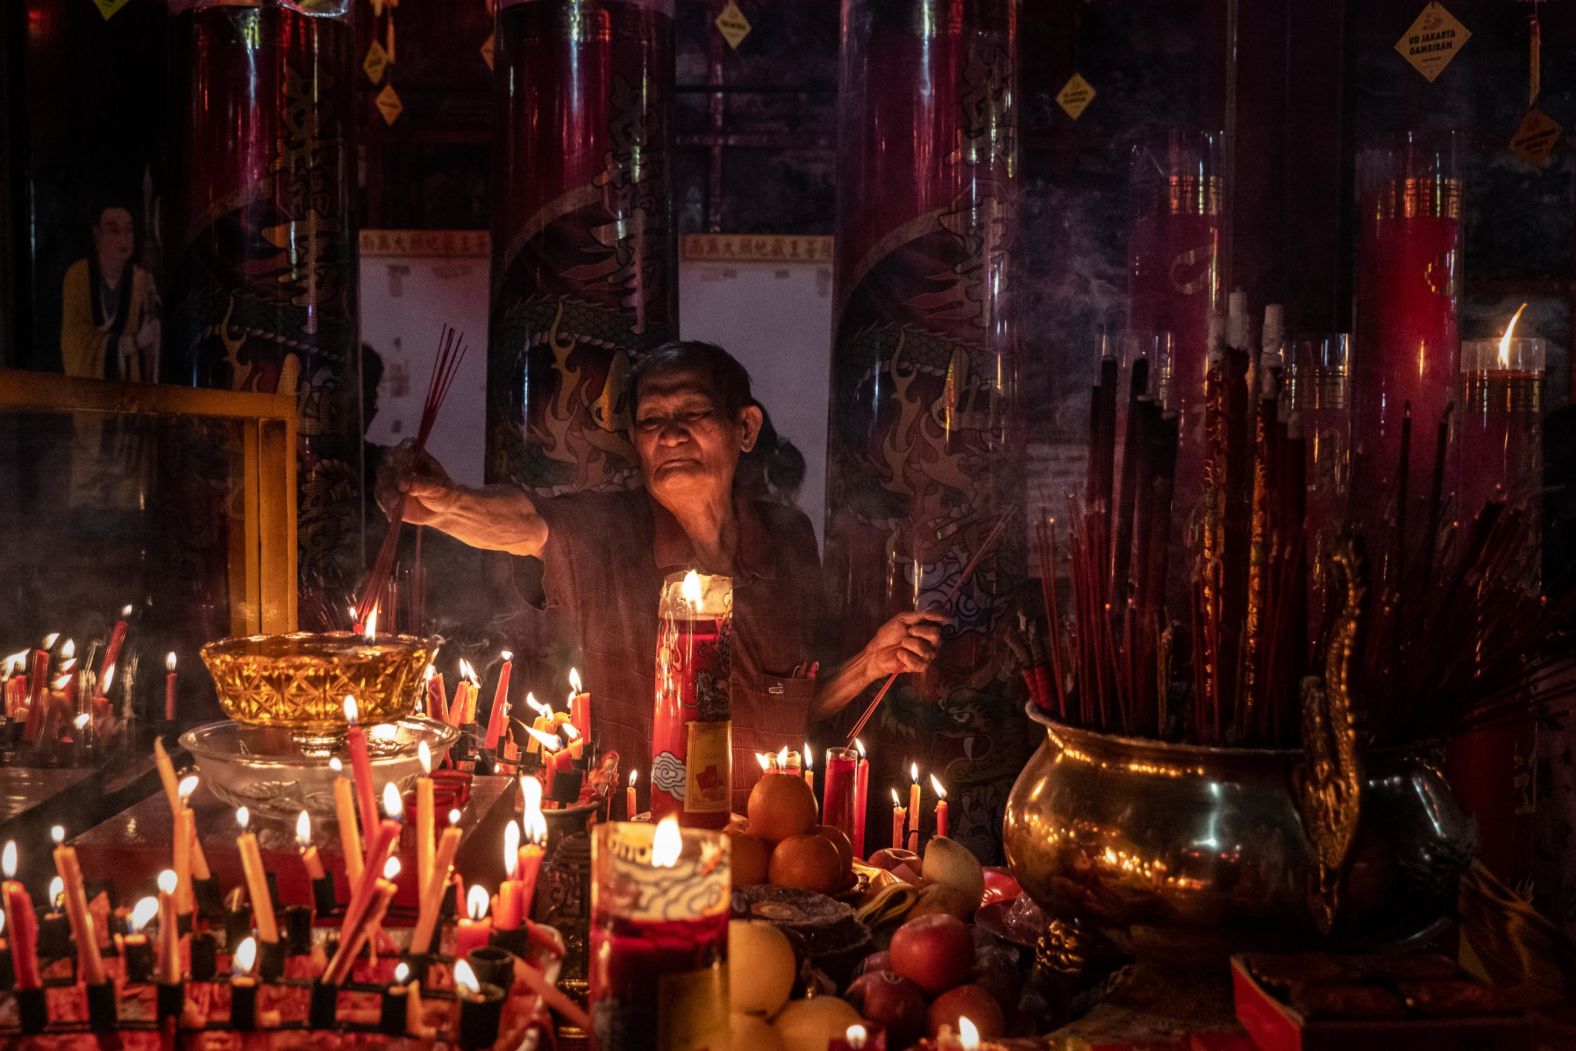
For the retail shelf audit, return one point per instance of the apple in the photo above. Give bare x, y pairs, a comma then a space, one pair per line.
935, 952
969, 1001
893, 1002
890, 858
876, 961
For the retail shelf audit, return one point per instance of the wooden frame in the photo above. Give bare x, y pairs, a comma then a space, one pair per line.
263, 555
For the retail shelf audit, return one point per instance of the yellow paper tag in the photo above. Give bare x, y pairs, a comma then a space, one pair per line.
389, 104
487, 49
1075, 96
708, 768
692, 1012
1535, 138
733, 25
107, 8
375, 63
1432, 41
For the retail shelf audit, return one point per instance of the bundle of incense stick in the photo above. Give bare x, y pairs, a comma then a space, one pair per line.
451, 352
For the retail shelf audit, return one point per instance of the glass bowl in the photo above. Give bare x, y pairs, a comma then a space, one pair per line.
300, 681
271, 771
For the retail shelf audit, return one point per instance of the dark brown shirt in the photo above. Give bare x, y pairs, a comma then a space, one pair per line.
606, 557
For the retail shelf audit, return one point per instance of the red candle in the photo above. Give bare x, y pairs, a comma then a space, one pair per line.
692, 728
579, 704
837, 802
169, 687
24, 924
631, 807
360, 766
941, 804
500, 705
509, 912
474, 931
117, 639
861, 799
913, 808
897, 820
437, 695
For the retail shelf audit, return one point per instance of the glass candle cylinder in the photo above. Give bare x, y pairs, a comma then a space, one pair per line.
837, 802
691, 727
1499, 434
1408, 281
659, 937
1317, 392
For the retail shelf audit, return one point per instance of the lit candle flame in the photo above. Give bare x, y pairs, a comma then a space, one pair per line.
245, 955
168, 881
537, 706
401, 973
50, 640
855, 1037
68, 650
1504, 341
511, 848
125, 611
807, 763
530, 795
371, 631
393, 805
187, 786
431, 670
765, 759
667, 844
109, 679
8, 859
424, 756
335, 765
468, 670
547, 741
938, 787
143, 913
632, 775
782, 758
895, 800
58, 834
15, 663
243, 817
352, 711
61, 683
569, 731
860, 745
913, 772
507, 655
968, 1034
689, 591
476, 902
454, 817
57, 892
169, 661
465, 979
303, 830
574, 681
536, 827
391, 869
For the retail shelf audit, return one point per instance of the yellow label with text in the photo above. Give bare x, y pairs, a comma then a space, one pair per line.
708, 768
692, 1010
1432, 41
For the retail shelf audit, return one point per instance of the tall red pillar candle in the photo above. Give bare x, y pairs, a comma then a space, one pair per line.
838, 788
1408, 280
659, 936
117, 639
861, 799
692, 727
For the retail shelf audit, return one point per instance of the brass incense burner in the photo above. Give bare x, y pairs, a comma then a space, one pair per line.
1193, 853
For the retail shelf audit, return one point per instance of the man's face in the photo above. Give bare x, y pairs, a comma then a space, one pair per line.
113, 236
687, 448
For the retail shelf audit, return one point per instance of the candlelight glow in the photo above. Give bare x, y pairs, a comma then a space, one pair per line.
50, 640
632, 775
537, 706
142, 914
81, 721
476, 902
432, 669
169, 661
807, 763
393, 805
454, 817
574, 680
391, 869
8, 859
913, 772
352, 712
61, 682
938, 787
855, 1037
109, 678
15, 663
384, 732
782, 758
765, 759
125, 611
335, 765
667, 844
57, 892
895, 800
372, 625
401, 973
689, 591
465, 979
168, 881
187, 786
245, 955
303, 830
469, 672
507, 655
968, 1034
569, 731
424, 756
68, 650
58, 834
530, 795
1504, 341
547, 741
2, 921
243, 817
511, 848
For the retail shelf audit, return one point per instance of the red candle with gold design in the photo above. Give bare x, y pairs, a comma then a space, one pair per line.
691, 735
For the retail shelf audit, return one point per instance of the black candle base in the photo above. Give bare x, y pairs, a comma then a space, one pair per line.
324, 1011
418, 964
184, 922
101, 1006
391, 1017
205, 956
479, 1018
237, 927
566, 788
493, 965
210, 899
7, 975
323, 897
514, 941
54, 937
171, 1000
243, 1005
139, 959
271, 959
298, 929
32, 1010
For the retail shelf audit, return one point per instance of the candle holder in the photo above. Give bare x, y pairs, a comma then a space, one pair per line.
659, 934
138, 957
419, 963
205, 956
170, 1000
271, 960
298, 929
391, 1013
513, 941
323, 1010
209, 898
837, 790
480, 1015
32, 1009
101, 1006
243, 1004
493, 966
7, 974
54, 936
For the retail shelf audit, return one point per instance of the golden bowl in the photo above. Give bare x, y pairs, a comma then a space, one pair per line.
300, 681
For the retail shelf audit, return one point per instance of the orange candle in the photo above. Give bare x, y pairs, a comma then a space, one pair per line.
360, 767
426, 818
432, 891
897, 819
500, 706
89, 960
913, 808
24, 923
809, 771
169, 954
475, 931
579, 704
256, 878
631, 807
309, 857
509, 910
941, 805
345, 817
169, 687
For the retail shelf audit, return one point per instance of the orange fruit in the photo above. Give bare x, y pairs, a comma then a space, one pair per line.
749, 857
809, 862
781, 806
845, 849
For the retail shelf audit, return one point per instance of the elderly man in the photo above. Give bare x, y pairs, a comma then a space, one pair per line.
606, 555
